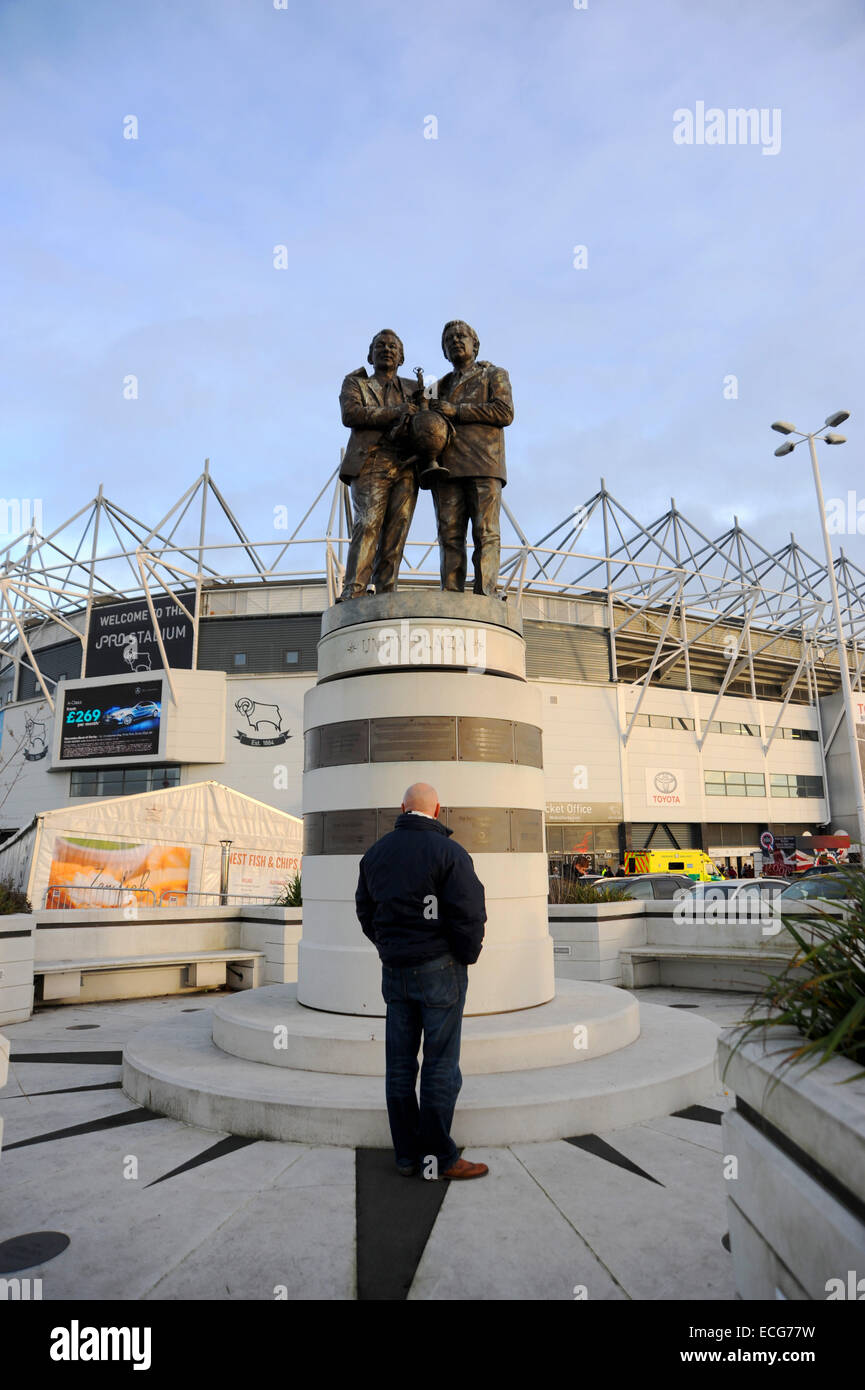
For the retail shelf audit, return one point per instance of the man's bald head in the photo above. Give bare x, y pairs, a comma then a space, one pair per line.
420, 796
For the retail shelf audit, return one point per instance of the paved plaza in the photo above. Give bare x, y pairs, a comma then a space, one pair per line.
154, 1209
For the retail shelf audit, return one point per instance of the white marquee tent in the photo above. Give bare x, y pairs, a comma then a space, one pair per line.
155, 846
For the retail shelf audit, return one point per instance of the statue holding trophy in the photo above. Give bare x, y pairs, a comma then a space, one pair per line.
452, 445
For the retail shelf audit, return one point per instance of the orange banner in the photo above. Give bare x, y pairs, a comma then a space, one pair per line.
112, 873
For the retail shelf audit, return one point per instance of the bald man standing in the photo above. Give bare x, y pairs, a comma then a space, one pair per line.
422, 906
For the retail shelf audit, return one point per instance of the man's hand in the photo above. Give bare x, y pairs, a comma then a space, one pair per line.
445, 408
381, 416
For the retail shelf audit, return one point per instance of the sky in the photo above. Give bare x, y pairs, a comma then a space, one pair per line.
720, 287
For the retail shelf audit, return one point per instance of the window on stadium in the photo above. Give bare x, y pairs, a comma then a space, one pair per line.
121, 781
735, 784
727, 726
662, 721
796, 784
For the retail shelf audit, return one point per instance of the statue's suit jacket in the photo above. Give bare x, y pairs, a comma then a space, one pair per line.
482, 396
360, 402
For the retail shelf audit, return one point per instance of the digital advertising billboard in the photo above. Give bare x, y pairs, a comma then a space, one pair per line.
111, 721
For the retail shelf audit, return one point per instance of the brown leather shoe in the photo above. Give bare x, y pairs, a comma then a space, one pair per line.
463, 1169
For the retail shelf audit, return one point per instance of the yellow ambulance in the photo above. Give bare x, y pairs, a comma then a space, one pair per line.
692, 862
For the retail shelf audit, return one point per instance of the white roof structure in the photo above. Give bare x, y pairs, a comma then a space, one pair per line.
669, 595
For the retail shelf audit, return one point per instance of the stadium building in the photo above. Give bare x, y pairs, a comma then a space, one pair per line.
690, 686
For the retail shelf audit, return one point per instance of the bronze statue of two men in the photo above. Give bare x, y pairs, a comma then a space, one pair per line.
383, 462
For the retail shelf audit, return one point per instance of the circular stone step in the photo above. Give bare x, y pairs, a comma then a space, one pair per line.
269, 1026
176, 1069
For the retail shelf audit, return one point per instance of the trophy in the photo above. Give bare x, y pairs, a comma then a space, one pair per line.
430, 433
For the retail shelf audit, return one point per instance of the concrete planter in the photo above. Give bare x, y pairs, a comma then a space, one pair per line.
587, 938
797, 1202
17, 934
4, 1072
276, 931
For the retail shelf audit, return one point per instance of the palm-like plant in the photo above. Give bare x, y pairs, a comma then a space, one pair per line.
821, 992
290, 894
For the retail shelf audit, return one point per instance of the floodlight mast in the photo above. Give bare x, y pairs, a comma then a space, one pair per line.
784, 427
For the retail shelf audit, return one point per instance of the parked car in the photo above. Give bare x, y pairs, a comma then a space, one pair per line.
133, 714
738, 888
816, 886
733, 899
648, 887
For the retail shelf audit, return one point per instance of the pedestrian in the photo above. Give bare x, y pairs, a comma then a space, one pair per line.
422, 906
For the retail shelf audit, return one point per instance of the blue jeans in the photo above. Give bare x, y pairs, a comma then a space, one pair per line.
424, 999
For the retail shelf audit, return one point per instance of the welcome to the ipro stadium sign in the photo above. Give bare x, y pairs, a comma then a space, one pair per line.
121, 636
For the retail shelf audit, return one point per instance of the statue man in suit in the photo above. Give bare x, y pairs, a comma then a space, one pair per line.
384, 484
476, 398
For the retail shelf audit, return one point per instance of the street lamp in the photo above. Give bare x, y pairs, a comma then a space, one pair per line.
224, 866
784, 427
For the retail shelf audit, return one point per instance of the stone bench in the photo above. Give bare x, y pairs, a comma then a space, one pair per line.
685, 965
177, 971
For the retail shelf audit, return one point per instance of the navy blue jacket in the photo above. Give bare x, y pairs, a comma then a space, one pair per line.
418, 895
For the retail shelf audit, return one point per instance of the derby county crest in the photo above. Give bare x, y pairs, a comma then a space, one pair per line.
264, 719
36, 743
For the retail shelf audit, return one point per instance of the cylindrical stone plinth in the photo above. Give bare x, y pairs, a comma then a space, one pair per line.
424, 686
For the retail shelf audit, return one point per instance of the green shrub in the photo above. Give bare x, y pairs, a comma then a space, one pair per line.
567, 890
825, 1000
11, 900
290, 896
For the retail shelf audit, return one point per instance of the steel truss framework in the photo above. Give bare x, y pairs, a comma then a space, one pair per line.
682, 608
